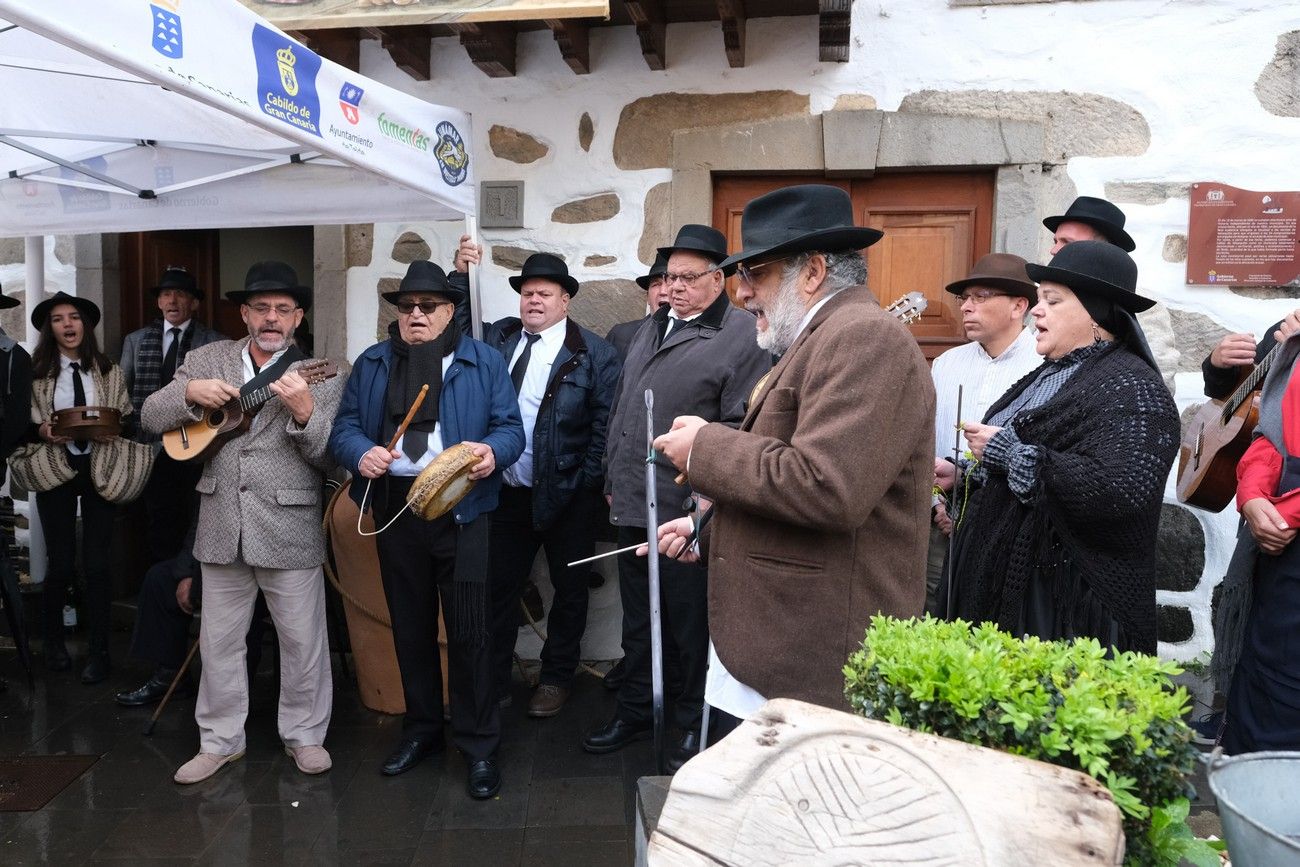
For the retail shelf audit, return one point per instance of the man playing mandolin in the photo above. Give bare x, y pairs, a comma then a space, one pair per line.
259, 522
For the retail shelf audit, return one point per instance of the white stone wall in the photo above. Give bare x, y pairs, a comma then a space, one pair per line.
1189, 68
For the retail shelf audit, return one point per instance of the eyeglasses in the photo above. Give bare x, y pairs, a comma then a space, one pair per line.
687, 277
749, 273
264, 308
407, 307
979, 296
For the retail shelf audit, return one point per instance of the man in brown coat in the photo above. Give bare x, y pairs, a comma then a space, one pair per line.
822, 497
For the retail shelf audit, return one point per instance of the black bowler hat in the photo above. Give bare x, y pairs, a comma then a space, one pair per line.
800, 219
424, 276
705, 240
272, 276
547, 267
1101, 215
176, 277
88, 309
1095, 268
658, 269
999, 271
6, 302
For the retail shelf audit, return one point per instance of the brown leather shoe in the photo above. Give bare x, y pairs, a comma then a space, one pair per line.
547, 700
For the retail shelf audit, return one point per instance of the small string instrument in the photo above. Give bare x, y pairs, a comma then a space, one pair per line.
200, 440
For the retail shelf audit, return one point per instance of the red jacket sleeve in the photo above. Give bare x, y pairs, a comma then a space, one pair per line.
1258, 472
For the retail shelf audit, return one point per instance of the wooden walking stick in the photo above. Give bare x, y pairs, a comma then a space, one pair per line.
185, 667
410, 414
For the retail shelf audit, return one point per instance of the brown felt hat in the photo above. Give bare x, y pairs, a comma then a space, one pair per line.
1004, 271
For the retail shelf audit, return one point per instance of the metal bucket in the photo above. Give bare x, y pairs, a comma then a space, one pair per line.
1257, 805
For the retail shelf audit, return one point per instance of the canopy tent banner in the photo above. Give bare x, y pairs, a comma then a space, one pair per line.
130, 115
312, 14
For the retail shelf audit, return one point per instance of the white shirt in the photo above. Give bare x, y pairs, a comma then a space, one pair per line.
167, 334
675, 322
536, 378
983, 378
63, 394
249, 370
721, 690
404, 466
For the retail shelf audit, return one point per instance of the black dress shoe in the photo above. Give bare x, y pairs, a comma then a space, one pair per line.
484, 779
409, 753
683, 751
97, 669
615, 735
57, 658
154, 689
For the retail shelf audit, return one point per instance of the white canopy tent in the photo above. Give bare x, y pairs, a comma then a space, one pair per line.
128, 115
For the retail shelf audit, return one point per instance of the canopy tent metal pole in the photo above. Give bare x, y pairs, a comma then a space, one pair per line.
34, 256
475, 300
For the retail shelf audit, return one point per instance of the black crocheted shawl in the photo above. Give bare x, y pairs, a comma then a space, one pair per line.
1109, 436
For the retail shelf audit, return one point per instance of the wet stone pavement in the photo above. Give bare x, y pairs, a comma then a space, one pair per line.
558, 805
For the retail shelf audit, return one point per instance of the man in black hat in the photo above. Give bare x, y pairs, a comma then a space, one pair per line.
656, 296
150, 356
1089, 219
441, 563
995, 298
259, 522
564, 377
822, 497
699, 357
15, 418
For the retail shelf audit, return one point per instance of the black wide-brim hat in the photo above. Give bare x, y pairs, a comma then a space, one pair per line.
6, 302
800, 219
177, 278
272, 276
1101, 215
423, 276
88, 309
704, 240
1098, 268
545, 266
1003, 271
658, 269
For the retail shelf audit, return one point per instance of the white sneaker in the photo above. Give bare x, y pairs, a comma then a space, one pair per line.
202, 766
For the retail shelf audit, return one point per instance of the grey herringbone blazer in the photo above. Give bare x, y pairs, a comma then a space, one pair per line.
260, 495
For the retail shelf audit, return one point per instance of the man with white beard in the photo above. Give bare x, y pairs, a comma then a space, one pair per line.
822, 497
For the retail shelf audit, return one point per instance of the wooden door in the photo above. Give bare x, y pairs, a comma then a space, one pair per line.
145, 255
936, 225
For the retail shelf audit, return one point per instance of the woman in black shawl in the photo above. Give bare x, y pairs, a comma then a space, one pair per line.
1057, 534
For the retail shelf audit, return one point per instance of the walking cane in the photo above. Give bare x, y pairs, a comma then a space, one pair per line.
952, 534
185, 667
656, 625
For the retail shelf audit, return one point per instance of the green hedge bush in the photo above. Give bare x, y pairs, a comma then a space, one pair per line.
1117, 719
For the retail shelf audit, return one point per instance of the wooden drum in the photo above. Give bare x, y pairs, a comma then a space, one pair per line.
86, 422
443, 483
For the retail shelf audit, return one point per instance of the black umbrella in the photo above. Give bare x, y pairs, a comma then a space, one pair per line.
11, 598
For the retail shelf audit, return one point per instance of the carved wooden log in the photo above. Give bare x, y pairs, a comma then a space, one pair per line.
802, 784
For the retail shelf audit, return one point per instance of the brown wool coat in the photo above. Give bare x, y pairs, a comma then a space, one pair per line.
823, 502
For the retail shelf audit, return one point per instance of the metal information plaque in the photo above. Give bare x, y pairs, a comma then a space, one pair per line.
1239, 237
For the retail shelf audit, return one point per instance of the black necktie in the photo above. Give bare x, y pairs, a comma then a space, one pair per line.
169, 360
521, 366
78, 395
667, 329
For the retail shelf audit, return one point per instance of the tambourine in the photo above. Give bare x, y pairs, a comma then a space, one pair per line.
86, 422
443, 483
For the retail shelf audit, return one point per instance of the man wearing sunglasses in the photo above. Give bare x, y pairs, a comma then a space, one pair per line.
699, 357
443, 563
993, 301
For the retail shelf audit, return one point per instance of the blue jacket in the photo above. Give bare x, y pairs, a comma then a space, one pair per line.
477, 405
570, 432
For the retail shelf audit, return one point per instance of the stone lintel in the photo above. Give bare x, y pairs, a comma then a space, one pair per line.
913, 140
850, 142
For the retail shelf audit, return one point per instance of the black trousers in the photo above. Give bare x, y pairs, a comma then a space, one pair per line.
162, 629
514, 547
417, 561
684, 594
169, 504
58, 511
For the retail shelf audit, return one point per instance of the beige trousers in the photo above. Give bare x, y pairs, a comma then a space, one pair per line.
296, 600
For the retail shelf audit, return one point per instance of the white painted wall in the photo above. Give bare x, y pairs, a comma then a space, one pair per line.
1188, 67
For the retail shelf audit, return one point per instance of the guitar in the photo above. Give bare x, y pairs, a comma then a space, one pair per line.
908, 308
1215, 440
201, 440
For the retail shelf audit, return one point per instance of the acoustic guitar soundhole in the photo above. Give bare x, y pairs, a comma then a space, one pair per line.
217, 418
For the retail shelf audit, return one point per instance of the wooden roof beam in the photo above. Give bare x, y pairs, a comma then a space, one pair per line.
341, 45
408, 46
573, 37
732, 15
834, 16
490, 46
651, 28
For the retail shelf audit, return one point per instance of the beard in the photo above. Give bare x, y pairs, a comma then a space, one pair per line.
783, 317
273, 341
